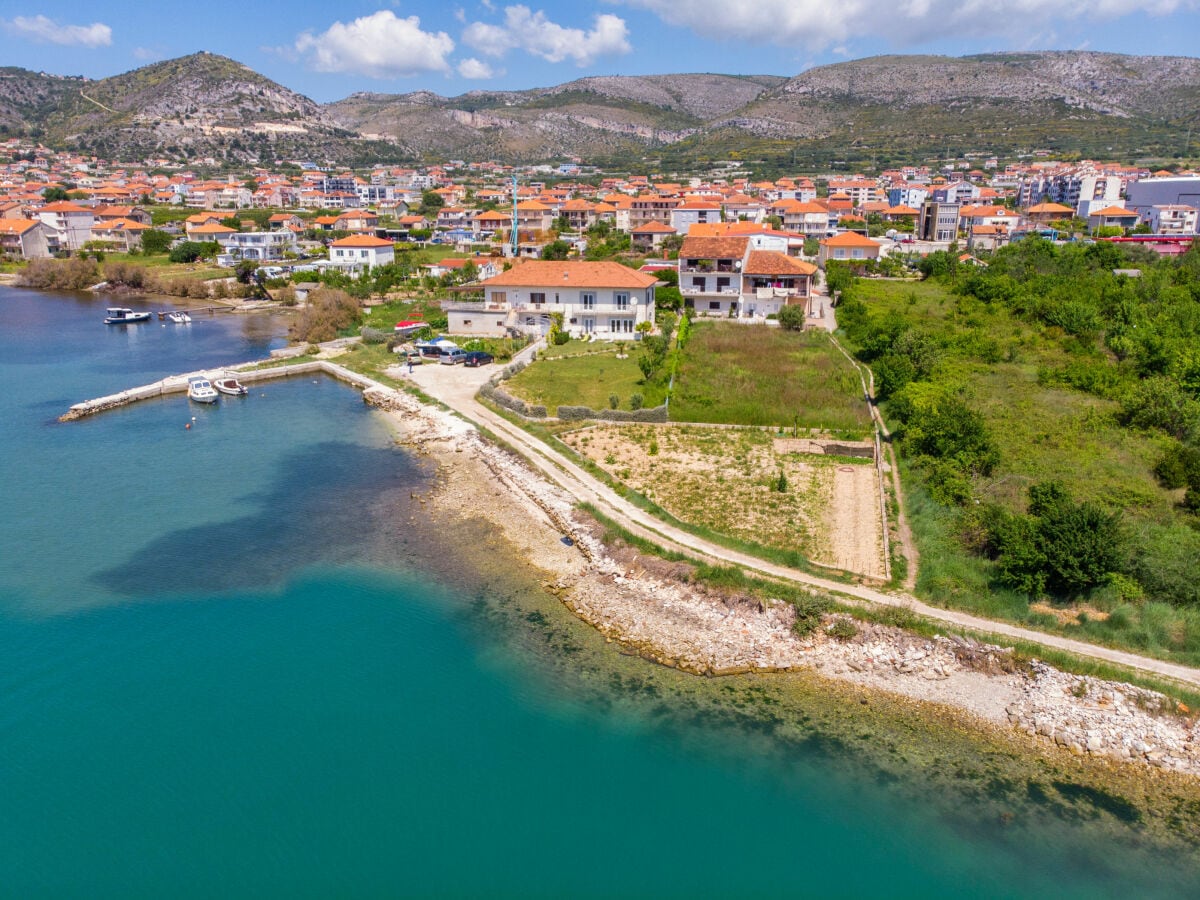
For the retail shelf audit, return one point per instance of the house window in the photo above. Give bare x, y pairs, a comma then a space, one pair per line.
537, 299
589, 300
714, 304
362, 254
622, 301
621, 326
722, 284
499, 297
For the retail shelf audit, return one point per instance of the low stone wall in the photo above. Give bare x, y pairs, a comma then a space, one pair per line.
862, 449
653, 414
501, 398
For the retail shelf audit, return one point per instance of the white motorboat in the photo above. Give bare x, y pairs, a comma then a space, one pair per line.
120, 315
179, 317
201, 390
231, 386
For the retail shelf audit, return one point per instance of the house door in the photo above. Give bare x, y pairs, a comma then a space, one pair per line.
589, 325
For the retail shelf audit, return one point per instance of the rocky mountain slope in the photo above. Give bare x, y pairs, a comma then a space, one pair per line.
883, 109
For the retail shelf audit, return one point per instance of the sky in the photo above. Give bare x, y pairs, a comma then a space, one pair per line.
330, 50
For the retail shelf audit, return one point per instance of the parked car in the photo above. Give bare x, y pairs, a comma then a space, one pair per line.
478, 358
452, 356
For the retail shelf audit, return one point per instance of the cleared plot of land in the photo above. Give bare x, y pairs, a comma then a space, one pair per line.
726, 480
584, 380
758, 375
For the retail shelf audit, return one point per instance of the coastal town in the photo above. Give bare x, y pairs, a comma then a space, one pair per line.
512, 262
458, 450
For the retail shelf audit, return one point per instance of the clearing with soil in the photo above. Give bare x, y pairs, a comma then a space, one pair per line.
728, 480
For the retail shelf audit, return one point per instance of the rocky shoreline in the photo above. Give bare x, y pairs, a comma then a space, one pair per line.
648, 606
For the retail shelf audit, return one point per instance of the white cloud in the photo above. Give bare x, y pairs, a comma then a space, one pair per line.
819, 25
47, 31
538, 36
379, 46
475, 68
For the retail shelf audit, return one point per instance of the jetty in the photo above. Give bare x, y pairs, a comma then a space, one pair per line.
178, 384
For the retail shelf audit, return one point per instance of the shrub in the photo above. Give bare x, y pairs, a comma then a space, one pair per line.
842, 630
613, 401
635, 402
792, 317
374, 335
1063, 547
73, 274
1179, 467
328, 312
126, 274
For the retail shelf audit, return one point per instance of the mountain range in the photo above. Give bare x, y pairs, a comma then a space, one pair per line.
877, 111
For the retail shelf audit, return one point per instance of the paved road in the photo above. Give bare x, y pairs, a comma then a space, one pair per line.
456, 386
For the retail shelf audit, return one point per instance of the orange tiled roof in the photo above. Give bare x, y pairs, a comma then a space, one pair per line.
572, 274
769, 262
362, 240
713, 247
849, 239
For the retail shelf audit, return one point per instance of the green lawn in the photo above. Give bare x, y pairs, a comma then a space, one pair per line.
759, 375
584, 381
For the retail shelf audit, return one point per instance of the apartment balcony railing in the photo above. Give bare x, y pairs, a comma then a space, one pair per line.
723, 292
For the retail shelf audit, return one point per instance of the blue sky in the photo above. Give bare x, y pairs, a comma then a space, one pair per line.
329, 50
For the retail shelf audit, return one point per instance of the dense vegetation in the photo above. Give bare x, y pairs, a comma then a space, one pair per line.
1048, 411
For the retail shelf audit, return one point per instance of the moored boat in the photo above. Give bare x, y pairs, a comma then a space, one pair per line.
201, 390
120, 315
231, 386
179, 317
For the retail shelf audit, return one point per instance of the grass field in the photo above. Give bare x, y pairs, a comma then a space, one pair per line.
758, 375
584, 381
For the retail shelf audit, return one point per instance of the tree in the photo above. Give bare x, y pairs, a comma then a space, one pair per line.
431, 201
556, 250
244, 270
54, 194
156, 240
792, 317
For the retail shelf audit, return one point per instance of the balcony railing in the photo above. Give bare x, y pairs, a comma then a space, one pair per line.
724, 292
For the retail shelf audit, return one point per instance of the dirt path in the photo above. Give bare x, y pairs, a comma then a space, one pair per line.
854, 523
456, 387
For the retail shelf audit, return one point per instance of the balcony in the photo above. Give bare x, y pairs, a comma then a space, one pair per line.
690, 291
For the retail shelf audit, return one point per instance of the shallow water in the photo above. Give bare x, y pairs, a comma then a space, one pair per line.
229, 665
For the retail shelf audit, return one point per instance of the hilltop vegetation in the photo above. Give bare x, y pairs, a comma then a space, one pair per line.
1048, 411
863, 113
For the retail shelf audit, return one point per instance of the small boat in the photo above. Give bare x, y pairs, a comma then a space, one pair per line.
119, 315
179, 317
231, 386
200, 390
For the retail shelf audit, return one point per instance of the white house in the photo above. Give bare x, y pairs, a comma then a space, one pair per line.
1172, 218
69, 224
360, 251
743, 277
605, 299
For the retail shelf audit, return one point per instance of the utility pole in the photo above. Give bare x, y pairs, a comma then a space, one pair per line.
515, 247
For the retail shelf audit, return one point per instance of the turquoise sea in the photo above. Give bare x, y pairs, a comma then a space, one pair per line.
230, 666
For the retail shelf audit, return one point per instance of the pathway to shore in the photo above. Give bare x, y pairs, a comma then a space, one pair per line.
456, 386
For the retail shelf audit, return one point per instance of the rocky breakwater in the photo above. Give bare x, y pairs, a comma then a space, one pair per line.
1106, 718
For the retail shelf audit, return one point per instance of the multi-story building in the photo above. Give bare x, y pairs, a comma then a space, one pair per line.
1177, 190
743, 277
1171, 218
604, 299
938, 221
69, 225
23, 238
